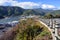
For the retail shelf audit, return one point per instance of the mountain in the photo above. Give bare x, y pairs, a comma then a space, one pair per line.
38, 11
56, 12
6, 11
33, 12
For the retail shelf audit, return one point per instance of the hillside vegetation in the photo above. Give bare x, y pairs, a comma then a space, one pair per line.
30, 29
7, 11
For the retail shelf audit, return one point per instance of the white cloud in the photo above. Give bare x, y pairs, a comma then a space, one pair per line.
46, 6
2, 2
30, 5
27, 5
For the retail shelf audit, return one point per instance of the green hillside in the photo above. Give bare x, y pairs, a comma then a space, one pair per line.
38, 11
31, 29
55, 12
6, 11
33, 12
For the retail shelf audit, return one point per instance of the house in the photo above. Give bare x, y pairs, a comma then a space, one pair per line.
2, 26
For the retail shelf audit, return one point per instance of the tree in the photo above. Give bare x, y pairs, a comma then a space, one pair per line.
48, 16
57, 16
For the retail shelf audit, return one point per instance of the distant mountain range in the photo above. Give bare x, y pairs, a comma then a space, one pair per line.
7, 11
55, 12
38, 11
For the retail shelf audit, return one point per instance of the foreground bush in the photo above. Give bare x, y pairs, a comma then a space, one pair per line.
31, 29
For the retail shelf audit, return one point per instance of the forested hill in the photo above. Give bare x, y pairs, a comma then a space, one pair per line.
6, 11
37, 11
13, 11
57, 12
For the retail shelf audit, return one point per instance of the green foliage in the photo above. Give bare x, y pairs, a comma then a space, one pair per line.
48, 16
57, 16
29, 29
9, 11
45, 32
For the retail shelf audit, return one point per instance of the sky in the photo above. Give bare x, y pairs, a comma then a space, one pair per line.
31, 4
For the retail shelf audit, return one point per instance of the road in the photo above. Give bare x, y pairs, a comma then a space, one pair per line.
48, 28
46, 22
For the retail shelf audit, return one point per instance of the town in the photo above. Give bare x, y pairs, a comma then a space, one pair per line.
53, 24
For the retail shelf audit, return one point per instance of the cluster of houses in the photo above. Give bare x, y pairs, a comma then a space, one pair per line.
6, 29
8, 24
55, 26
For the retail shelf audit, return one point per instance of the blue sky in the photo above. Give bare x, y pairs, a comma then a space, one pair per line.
30, 4
51, 2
